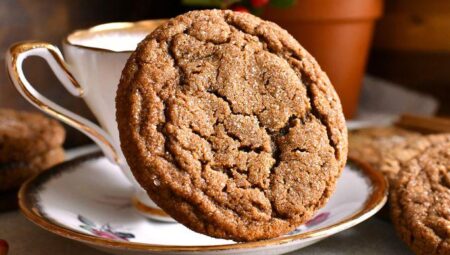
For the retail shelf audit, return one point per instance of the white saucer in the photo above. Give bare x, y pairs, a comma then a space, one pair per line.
89, 200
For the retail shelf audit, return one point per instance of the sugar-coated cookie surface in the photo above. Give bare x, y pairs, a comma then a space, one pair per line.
420, 199
230, 125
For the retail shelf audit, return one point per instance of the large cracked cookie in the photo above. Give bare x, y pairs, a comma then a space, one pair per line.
420, 199
230, 125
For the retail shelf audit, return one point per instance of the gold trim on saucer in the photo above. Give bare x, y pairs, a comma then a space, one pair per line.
30, 208
147, 209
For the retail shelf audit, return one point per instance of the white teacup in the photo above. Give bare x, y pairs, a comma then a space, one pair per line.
94, 59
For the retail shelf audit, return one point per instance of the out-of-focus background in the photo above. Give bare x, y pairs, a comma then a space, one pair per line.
371, 49
50, 20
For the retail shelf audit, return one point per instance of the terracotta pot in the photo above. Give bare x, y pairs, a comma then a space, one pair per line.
338, 34
412, 48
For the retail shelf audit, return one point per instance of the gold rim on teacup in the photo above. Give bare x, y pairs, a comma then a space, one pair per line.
144, 26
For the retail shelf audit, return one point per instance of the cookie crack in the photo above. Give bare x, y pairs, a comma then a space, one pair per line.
176, 64
319, 116
199, 134
181, 73
142, 120
224, 98
314, 110
187, 33
169, 153
246, 148
227, 171
276, 153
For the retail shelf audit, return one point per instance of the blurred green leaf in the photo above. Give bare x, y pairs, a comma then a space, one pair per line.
257, 11
282, 3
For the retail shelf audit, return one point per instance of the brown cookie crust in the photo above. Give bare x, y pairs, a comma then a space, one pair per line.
420, 199
13, 174
369, 144
24, 135
382, 147
391, 164
230, 125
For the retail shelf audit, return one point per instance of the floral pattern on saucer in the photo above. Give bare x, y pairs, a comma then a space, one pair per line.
319, 218
316, 220
105, 230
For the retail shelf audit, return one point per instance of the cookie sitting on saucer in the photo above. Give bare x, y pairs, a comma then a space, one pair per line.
420, 199
29, 143
230, 125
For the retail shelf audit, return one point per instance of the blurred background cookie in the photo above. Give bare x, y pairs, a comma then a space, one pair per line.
13, 174
387, 149
420, 199
29, 144
393, 159
24, 135
371, 144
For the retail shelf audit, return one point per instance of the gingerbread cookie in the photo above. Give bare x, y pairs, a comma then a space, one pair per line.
420, 199
368, 144
391, 163
230, 125
13, 174
24, 135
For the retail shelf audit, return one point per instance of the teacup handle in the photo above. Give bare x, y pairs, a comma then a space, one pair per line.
15, 57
